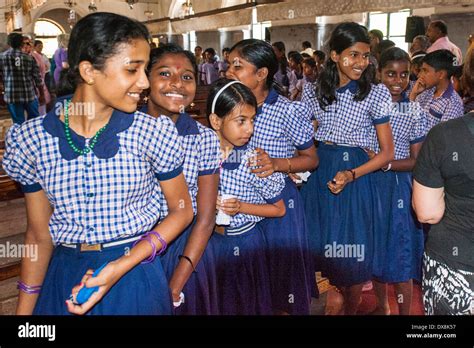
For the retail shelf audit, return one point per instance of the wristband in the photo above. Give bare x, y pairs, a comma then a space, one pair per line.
180, 301
388, 167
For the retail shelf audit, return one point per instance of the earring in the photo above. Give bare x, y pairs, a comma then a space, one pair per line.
90, 82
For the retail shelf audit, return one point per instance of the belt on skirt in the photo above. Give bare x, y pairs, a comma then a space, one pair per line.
84, 247
234, 231
336, 144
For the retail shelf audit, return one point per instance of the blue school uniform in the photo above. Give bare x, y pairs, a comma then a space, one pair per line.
201, 157
398, 238
281, 128
107, 195
341, 226
242, 268
447, 107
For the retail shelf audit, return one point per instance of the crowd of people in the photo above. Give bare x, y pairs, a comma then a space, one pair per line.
381, 131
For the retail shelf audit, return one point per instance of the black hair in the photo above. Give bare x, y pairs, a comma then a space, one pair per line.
233, 95
441, 25
305, 55
280, 46
306, 44
345, 35
393, 54
458, 71
297, 57
311, 62
320, 54
198, 47
441, 60
226, 49
282, 62
261, 55
377, 33
38, 42
384, 45
15, 40
418, 60
211, 51
157, 53
96, 38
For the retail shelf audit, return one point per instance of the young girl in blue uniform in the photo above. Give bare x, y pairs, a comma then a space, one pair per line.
338, 195
284, 139
242, 268
188, 264
398, 248
89, 178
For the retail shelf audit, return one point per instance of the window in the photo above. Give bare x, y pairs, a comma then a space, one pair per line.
392, 25
47, 31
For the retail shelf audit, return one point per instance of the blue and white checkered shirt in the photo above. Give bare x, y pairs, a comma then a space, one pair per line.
408, 123
201, 155
107, 194
281, 127
444, 108
346, 121
237, 179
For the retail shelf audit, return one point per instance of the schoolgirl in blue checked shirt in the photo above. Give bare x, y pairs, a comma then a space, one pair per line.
242, 266
89, 181
338, 196
188, 264
284, 139
398, 235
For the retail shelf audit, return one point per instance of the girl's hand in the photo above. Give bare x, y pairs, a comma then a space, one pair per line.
230, 206
341, 179
104, 280
263, 162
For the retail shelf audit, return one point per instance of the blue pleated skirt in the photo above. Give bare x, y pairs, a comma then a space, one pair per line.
292, 273
142, 291
340, 226
242, 273
200, 290
398, 236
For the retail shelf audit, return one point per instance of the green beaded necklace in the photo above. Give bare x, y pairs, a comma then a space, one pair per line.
67, 130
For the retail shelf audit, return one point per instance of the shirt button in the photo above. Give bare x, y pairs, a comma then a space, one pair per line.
88, 165
90, 195
91, 229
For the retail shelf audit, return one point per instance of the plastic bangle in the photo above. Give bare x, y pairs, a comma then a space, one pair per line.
164, 245
27, 289
151, 258
190, 261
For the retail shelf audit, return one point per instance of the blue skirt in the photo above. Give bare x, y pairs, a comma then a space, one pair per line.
292, 274
142, 291
341, 226
242, 273
398, 246
200, 291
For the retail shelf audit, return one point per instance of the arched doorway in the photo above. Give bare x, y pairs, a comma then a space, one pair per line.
47, 31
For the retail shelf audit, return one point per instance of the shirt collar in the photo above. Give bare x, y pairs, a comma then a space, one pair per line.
271, 98
234, 159
351, 86
107, 145
448, 92
185, 124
